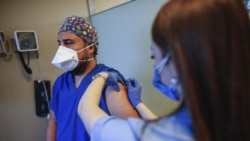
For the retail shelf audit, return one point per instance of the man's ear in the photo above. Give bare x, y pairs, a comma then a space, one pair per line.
91, 49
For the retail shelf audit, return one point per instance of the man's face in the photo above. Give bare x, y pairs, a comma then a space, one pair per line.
74, 42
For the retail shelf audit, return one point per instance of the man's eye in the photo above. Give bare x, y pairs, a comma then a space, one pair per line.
152, 57
68, 43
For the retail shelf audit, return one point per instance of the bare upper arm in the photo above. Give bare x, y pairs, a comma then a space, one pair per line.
118, 103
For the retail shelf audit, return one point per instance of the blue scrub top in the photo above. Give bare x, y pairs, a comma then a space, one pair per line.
64, 104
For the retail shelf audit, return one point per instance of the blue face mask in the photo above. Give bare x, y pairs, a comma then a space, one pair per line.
168, 90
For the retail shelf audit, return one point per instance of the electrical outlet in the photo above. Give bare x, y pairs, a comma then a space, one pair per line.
42, 97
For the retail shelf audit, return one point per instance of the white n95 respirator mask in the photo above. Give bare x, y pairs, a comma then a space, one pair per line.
67, 59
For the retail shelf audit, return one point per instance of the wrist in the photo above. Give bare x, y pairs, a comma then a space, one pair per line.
135, 104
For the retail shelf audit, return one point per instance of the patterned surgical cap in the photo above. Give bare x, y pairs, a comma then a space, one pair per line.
81, 28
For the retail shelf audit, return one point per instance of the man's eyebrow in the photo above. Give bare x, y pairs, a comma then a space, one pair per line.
64, 40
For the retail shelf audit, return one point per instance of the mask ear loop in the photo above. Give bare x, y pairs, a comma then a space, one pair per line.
162, 63
86, 60
86, 47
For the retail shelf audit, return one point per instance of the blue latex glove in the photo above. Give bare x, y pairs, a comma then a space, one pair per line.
113, 79
134, 91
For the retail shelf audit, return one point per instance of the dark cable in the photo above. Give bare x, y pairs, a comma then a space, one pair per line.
26, 67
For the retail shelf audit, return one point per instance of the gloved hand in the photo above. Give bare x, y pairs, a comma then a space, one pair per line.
113, 79
134, 91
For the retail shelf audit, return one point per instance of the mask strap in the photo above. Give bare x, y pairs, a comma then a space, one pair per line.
86, 47
86, 60
162, 63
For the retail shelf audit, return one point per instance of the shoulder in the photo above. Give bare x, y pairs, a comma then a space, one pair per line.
103, 67
62, 80
177, 126
62, 77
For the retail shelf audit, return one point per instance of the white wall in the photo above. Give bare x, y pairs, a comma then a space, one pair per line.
125, 37
97, 6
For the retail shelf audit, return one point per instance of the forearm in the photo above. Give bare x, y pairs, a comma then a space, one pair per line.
51, 129
145, 112
88, 109
51, 133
